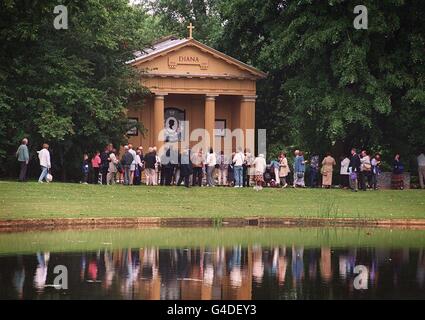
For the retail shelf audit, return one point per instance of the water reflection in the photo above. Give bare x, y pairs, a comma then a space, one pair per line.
254, 272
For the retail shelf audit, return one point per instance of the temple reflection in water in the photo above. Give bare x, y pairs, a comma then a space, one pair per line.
255, 272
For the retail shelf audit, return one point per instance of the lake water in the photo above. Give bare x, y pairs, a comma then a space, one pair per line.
302, 263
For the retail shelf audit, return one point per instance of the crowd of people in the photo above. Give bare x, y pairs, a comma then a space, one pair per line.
357, 171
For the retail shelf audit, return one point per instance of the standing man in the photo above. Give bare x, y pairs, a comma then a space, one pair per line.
354, 170
238, 160
126, 161
150, 160
44, 157
104, 163
421, 169
23, 158
211, 163
185, 168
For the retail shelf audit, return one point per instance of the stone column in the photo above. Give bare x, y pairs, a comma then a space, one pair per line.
210, 120
158, 115
247, 121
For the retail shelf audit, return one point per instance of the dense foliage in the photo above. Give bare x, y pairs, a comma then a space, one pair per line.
330, 86
67, 87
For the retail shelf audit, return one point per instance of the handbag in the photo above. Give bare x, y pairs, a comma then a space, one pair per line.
300, 175
353, 176
367, 167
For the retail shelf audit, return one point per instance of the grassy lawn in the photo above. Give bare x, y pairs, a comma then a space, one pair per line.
58, 200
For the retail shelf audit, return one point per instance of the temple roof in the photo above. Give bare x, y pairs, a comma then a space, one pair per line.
171, 43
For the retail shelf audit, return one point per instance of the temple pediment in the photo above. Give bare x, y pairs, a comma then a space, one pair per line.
188, 58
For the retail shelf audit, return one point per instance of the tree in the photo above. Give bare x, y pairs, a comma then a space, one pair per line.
330, 85
174, 16
69, 87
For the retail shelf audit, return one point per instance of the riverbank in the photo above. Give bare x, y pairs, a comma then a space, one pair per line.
22, 225
64, 203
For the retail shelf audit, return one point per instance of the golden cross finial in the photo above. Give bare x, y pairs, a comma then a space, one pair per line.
190, 27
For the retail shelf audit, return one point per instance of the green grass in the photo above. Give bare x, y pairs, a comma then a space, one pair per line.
64, 200
92, 240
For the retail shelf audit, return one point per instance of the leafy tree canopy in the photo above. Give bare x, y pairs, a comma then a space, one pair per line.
68, 87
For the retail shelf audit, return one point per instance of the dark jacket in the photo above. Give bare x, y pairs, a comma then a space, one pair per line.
127, 159
104, 160
85, 167
150, 160
398, 167
185, 165
354, 163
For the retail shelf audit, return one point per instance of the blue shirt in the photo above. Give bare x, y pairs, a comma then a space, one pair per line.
274, 164
22, 153
299, 164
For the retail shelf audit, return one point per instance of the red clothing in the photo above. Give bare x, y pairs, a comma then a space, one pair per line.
95, 162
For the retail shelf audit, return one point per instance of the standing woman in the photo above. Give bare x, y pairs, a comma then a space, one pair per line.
44, 157
327, 170
343, 173
95, 163
283, 169
230, 172
259, 165
376, 170
224, 164
250, 170
299, 170
397, 179
112, 167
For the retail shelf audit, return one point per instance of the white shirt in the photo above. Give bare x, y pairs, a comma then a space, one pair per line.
260, 165
238, 159
112, 165
344, 166
211, 159
133, 153
44, 156
421, 160
364, 160
138, 160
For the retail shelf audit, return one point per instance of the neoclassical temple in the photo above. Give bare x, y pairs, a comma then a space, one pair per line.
192, 86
